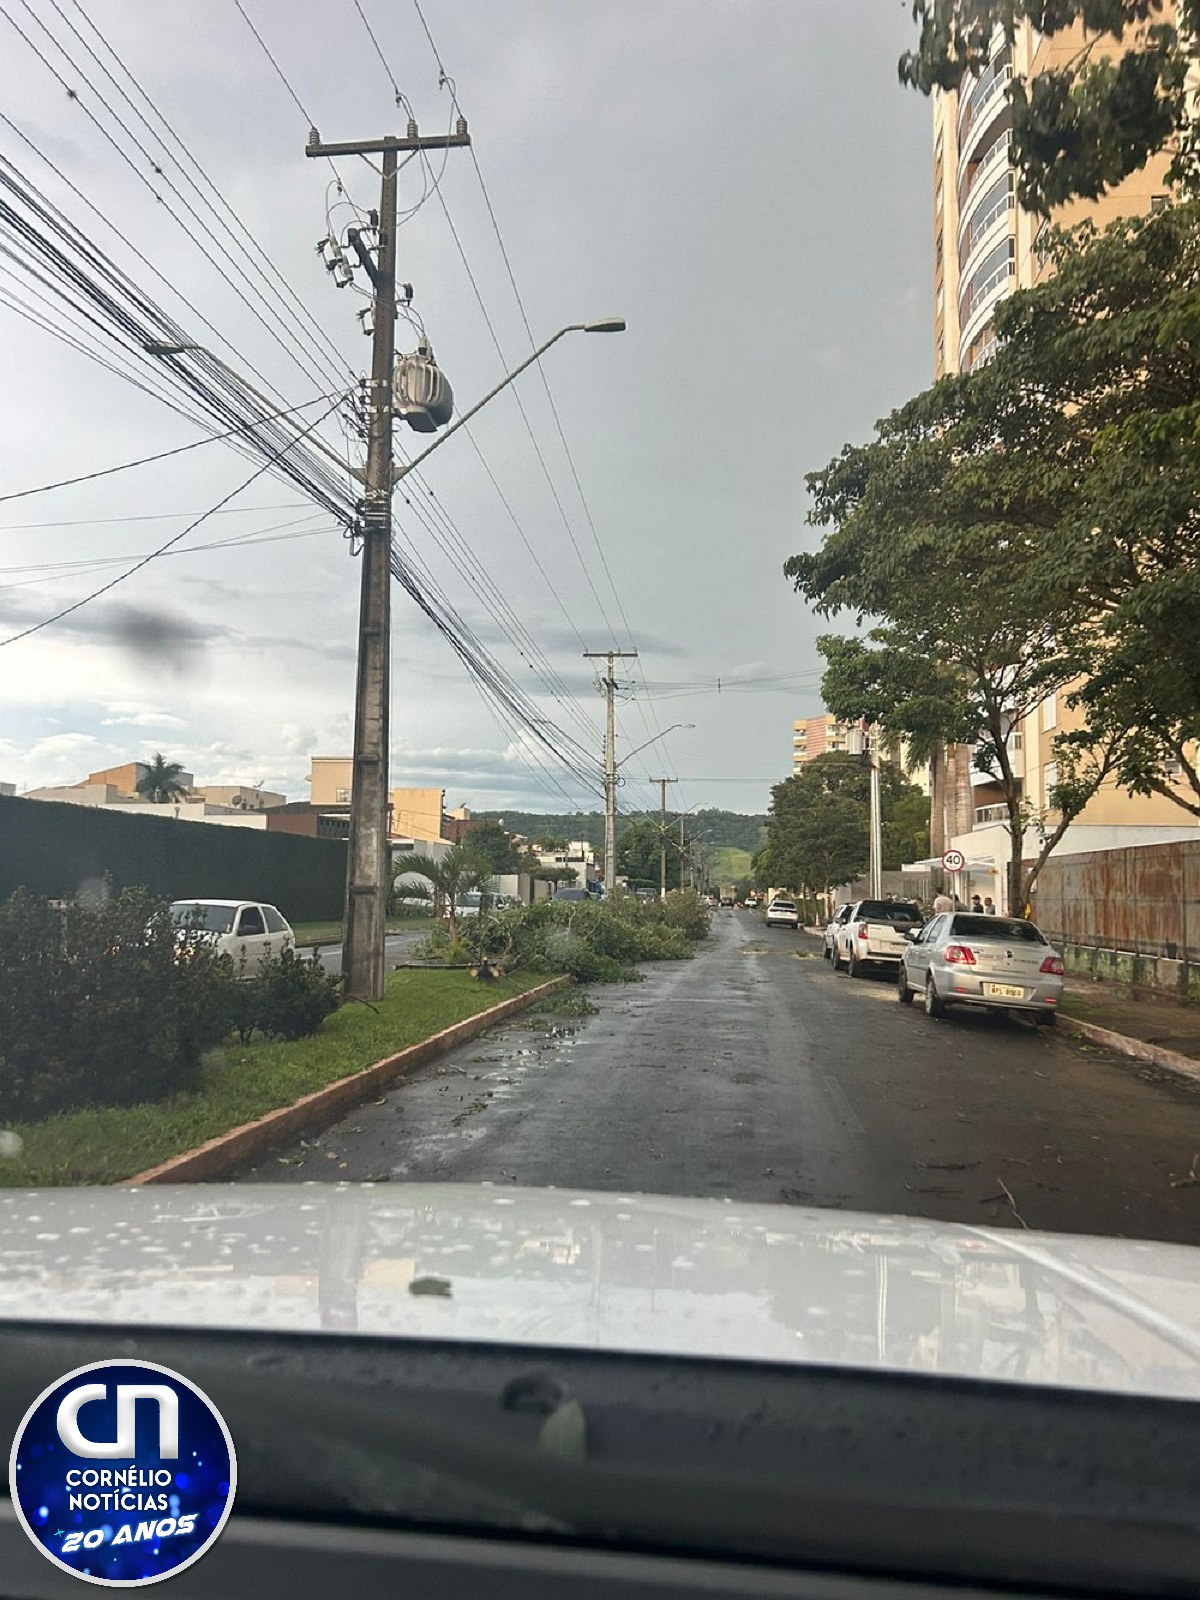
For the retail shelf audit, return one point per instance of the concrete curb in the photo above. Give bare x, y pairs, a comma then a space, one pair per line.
317, 1110
1156, 1055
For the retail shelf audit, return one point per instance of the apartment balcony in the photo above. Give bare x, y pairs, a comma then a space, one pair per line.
998, 288
982, 153
987, 816
986, 96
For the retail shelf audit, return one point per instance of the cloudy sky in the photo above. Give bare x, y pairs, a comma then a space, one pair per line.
743, 180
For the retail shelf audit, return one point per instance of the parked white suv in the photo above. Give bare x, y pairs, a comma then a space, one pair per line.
782, 913
247, 930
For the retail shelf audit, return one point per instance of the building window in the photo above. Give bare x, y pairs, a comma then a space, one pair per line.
937, 200
1050, 711
342, 797
1158, 202
1050, 779
939, 300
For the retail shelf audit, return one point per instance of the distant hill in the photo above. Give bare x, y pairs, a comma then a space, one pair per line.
719, 829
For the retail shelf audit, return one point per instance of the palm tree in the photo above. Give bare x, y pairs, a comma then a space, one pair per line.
161, 783
449, 877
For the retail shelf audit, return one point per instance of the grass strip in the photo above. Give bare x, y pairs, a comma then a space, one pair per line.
242, 1082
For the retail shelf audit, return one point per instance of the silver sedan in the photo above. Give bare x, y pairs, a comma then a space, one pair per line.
961, 958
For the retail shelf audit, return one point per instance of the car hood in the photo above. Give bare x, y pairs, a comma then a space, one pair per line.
622, 1272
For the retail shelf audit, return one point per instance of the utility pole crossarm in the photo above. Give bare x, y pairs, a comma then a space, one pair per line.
411, 141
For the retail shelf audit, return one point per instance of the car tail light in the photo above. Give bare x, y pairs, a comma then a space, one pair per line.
1053, 965
960, 955
862, 930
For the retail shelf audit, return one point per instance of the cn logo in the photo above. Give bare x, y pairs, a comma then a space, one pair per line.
125, 1444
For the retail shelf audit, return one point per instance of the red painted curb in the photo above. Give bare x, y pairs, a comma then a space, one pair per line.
1156, 1054
317, 1110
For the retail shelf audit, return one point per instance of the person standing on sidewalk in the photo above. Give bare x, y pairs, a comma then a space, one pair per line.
942, 902
989, 906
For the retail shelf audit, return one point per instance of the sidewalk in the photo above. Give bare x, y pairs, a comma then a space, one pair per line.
1150, 1027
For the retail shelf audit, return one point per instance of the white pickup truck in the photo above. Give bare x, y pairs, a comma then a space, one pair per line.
874, 933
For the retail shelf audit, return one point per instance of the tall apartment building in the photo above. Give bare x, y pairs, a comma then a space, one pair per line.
816, 736
985, 246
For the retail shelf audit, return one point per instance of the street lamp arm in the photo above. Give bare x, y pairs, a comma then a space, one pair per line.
655, 740
615, 326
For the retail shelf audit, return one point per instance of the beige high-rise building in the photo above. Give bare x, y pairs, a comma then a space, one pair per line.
816, 736
985, 246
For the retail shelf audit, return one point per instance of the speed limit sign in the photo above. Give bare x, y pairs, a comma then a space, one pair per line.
954, 861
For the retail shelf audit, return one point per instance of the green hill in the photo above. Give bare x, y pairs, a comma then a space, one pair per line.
728, 864
722, 829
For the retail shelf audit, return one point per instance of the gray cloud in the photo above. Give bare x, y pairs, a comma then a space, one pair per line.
707, 175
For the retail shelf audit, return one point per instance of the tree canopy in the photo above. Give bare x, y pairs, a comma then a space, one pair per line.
818, 828
1031, 527
160, 783
638, 854
1085, 123
496, 846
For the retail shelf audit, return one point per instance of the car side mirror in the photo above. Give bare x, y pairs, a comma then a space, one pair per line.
913, 935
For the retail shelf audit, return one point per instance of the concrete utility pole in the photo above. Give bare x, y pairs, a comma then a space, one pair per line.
368, 869
872, 737
662, 837
682, 853
610, 762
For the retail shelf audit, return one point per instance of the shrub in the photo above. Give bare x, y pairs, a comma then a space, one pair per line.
593, 941
290, 997
97, 1007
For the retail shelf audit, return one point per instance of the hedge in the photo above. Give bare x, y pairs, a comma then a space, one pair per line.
56, 849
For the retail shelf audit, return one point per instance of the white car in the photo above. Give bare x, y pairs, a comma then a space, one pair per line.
840, 917
247, 930
782, 913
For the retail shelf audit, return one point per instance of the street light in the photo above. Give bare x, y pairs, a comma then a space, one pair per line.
368, 859
649, 742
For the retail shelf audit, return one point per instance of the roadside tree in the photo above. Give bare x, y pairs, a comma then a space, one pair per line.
445, 881
939, 526
638, 857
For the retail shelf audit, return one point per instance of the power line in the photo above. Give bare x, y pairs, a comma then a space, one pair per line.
78, 605
163, 455
284, 338
303, 317
146, 516
445, 79
283, 78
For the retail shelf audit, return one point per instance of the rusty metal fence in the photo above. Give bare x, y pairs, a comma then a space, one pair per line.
1145, 899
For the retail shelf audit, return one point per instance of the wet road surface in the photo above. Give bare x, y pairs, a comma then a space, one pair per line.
755, 1072
396, 947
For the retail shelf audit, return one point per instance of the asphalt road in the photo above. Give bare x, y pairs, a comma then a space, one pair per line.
396, 947
755, 1072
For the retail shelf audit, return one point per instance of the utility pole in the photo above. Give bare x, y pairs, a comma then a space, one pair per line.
682, 853
610, 763
662, 837
368, 866
872, 737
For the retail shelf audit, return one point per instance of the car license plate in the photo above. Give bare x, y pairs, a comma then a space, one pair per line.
1004, 991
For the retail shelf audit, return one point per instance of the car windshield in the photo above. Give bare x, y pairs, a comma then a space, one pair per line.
889, 911
202, 916
829, 549
1006, 929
